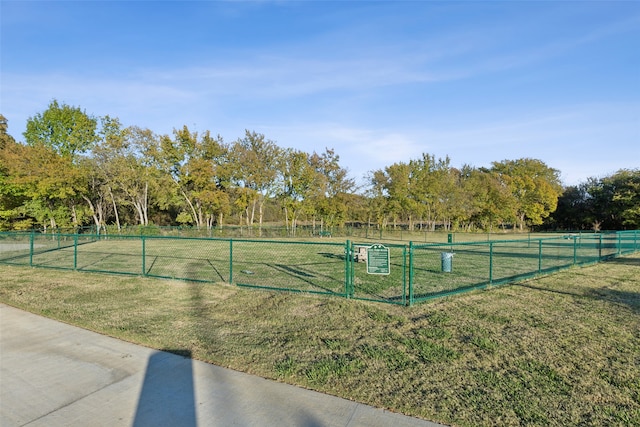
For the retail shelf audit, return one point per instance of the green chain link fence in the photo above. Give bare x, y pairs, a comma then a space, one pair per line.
405, 274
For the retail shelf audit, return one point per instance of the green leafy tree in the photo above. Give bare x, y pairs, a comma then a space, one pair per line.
5, 138
144, 181
106, 172
297, 177
574, 211
253, 162
196, 167
615, 200
125, 176
46, 179
490, 203
12, 196
534, 186
403, 188
434, 188
377, 199
328, 197
67, 130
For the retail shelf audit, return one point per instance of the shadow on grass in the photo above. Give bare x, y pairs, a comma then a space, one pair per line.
635, 261
629, 299
332, 255
293, 271
301, 275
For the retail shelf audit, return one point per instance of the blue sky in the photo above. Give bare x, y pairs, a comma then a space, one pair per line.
380, 82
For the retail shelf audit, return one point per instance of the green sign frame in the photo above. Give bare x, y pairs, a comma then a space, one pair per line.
378, 260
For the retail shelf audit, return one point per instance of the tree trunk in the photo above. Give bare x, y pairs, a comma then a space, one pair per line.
136, 204
74, 215
115, 209
201, 219
146, 203
194, 214
96, 220
253, 210
260, 215
286, 219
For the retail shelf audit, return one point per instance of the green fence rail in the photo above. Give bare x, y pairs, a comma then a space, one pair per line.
391, 273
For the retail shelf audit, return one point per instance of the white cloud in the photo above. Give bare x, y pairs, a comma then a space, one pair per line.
579, 140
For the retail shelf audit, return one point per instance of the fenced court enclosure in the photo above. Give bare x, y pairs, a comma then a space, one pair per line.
397, 273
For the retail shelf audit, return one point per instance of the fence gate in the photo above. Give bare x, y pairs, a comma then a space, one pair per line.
377, 272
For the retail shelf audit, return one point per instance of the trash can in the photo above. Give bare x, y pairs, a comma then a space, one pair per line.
450, 238
447, 260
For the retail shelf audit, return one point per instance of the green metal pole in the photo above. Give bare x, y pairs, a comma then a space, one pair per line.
490, 262
600, 248
230, 260
352, 279
144, 256
75, 251
575, 250
404, 274
539, 256
31, 238
410, 273
347, 266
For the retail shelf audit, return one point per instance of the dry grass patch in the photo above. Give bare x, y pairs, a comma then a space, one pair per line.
560, 350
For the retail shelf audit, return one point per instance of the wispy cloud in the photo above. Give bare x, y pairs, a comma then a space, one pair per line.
570, 138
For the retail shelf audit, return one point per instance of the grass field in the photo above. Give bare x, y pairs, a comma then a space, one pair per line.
559, 350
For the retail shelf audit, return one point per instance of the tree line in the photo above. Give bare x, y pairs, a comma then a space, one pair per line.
74, 169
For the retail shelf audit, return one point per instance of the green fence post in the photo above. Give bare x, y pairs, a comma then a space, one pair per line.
230, 260
75, 251
410, 273
539, 256
490, 262
404, 275
144, 256
353, 261
619, 242
352, 281
31, 238
347, 267
600, 247
575, 250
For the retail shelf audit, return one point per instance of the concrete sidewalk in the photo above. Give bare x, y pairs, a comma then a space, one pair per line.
54, 374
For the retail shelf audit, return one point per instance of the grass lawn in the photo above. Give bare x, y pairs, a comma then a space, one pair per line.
560, 350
